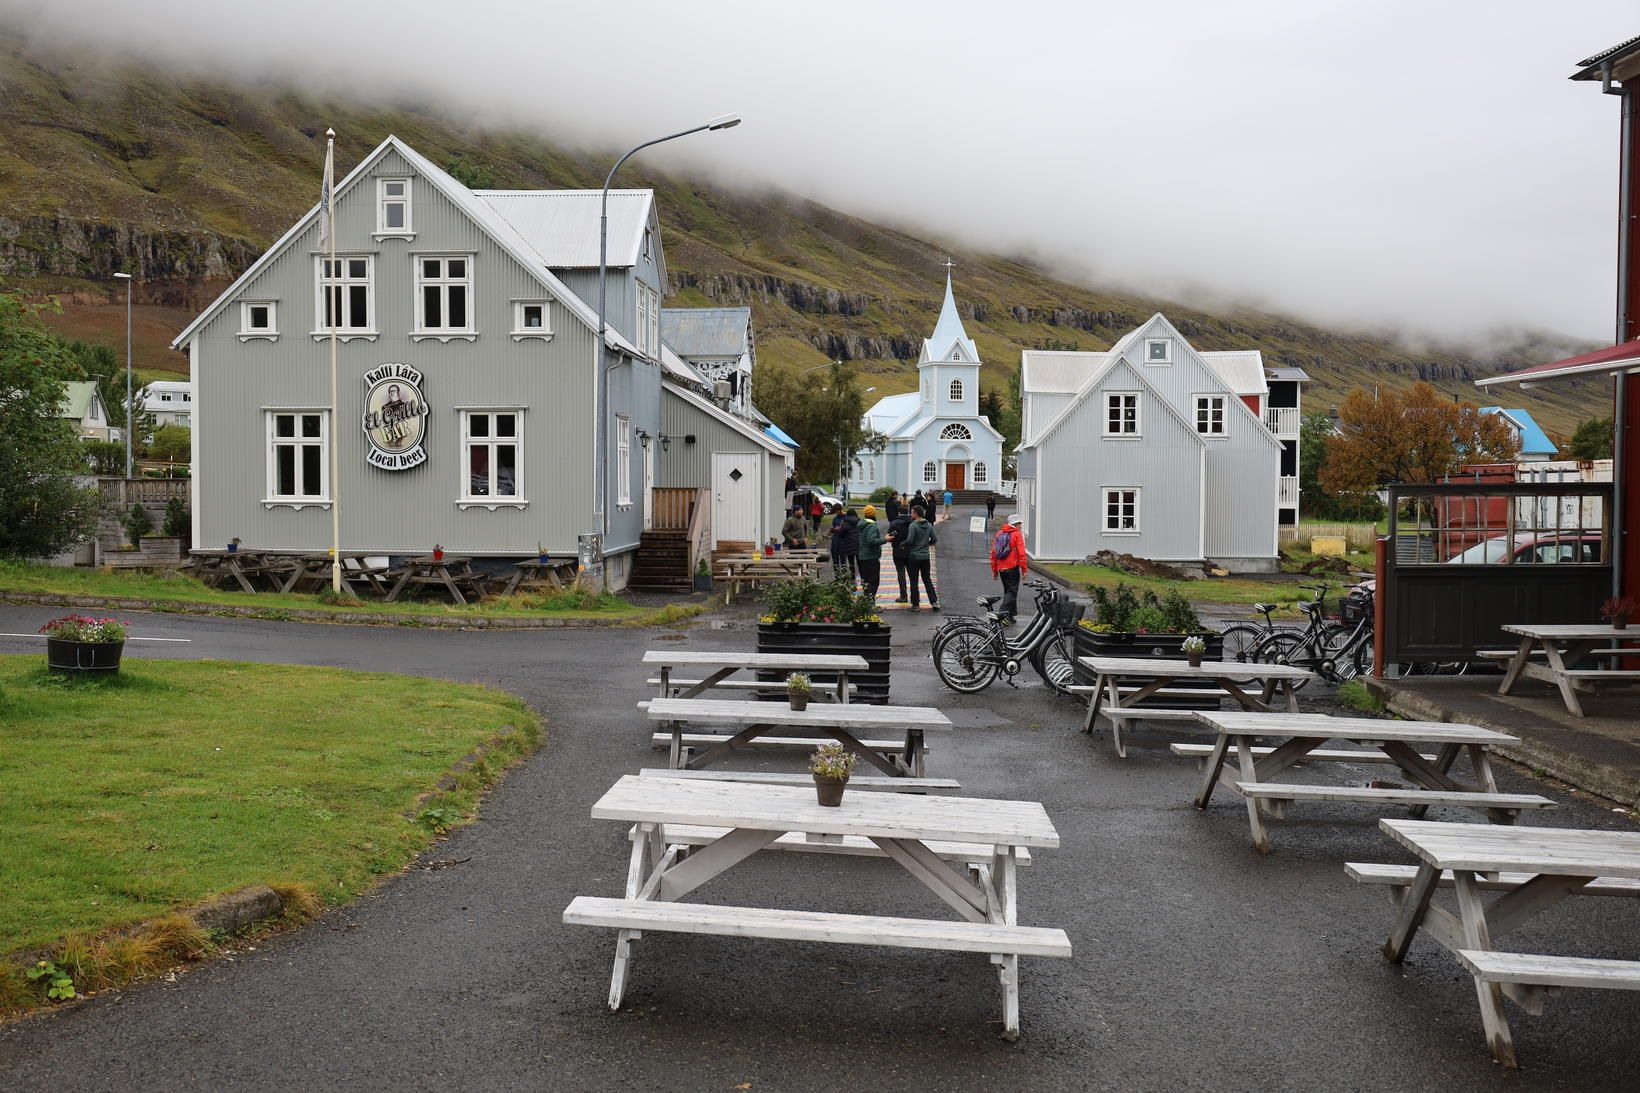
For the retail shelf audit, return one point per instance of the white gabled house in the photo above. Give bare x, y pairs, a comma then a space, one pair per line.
1153, 449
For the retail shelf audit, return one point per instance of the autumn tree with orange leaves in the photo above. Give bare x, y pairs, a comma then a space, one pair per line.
1414, 435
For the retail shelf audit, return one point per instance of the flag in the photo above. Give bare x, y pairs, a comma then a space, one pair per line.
325, 228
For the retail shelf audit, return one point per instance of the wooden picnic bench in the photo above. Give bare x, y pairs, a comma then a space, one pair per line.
1301, 737
451, 573
1533, 868
905, 758
718, 667
1563, 645
215, 565
315, 569
1122, 684
533, 573
687, 832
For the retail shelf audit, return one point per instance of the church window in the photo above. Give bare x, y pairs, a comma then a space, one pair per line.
980, 473
931, 471
956, 353
956, 390
956, 431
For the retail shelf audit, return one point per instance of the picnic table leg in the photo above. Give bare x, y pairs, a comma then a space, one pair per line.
455, 593
666, 681
512, 582
1210, 770
636, 869
1517, 665
1292, 695
238, 572
894, 768
1476, 936
1093, 704
1414, 904
1255, 814
1557, 666
709, 682
842, 687
398, 587
1481, 763
297, 573
1114, 694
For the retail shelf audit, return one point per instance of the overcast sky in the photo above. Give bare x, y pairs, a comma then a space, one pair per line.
1423, 165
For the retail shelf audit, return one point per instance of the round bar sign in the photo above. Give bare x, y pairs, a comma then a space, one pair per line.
395, 417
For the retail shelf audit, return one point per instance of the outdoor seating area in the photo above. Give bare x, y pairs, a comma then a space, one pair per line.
448, 577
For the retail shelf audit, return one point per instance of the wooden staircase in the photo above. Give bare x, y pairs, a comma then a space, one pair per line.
662, 564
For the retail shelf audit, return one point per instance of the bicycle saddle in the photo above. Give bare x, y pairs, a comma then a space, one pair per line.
988, 601
1265, 608
1308, 605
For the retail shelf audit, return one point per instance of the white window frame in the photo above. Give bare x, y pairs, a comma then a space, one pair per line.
953, 391
345, 333
1204, 404
1105, 495
623, 461
270, 497
931, 471
444, 282
1167, 352
957, 431
649, 243
542, 332
249, 333
655, 324
382, 201
641, 327
1137, 431
981, 474
466, 499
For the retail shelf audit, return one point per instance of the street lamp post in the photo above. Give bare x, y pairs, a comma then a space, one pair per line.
600, 466
129, 417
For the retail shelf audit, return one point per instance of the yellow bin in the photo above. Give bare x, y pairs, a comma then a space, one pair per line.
1327, 546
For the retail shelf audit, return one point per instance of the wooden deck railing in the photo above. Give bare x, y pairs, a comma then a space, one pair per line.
672, 507
148, 491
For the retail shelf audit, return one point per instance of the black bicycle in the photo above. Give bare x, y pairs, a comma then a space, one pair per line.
1337, 650
970, 652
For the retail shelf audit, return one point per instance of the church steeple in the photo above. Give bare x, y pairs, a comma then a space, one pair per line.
949, 335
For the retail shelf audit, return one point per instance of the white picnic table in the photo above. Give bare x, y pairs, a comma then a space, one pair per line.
1563, 645
839, 720
1299, 736
1534, 868
721, 665
686, 832
755, 568
1160, 676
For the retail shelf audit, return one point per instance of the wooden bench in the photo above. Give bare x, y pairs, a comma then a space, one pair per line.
824, 691
691, 835
903, 933
1401, 876
707, 739
1500, 807
1169, 692
1530, 970
781, 778
1322, 755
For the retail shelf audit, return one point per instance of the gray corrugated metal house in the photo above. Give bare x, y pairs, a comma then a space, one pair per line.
465, 413
1152, 449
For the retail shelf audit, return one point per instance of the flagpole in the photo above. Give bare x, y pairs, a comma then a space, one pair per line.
335, 420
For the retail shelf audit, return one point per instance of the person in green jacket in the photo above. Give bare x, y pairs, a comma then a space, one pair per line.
794, 533
919, 537
870, 556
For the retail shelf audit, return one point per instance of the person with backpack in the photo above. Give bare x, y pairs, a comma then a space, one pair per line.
919, 538
870, 553
1009, 565
898, 529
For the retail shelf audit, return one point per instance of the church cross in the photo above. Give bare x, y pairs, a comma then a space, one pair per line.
948, 265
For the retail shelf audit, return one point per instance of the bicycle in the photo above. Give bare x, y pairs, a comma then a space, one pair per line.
969, 653
1242, 639
1337, 651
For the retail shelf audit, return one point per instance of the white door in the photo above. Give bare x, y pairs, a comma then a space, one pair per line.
735, 496
649, 487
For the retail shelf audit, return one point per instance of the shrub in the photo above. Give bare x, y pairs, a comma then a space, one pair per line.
1127, 611
176, 517
84, 628
107, 457
137, 524
811, 600
880, 494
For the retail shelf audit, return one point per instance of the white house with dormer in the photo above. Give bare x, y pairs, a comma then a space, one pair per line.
1158, 450
934, 437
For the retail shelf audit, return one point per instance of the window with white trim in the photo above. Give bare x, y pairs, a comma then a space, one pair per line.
956, 391
347, 289
980, 473
392, 206
643, 320
1158, 351
298, 456
931, 471
1122, 509
1121, 413
655, 323
258, 319
531, 319
1210, 415
956, 431
623, 460
490, 445
444, 294
648, 243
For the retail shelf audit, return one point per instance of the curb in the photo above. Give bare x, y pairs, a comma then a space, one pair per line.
356, 618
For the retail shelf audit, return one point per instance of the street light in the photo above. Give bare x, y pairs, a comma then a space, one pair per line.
127, 278
600, 466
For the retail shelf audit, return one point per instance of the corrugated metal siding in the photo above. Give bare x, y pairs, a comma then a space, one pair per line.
410, 510
691, 464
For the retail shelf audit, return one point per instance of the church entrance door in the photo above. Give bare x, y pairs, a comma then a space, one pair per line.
956, 476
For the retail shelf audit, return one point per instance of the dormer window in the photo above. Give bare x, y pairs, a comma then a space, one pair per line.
956, 354
648, 243
1158, 351
393, 206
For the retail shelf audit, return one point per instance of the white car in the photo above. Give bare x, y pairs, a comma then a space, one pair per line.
821, 495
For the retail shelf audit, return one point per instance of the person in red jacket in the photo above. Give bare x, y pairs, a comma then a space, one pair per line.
1009, 564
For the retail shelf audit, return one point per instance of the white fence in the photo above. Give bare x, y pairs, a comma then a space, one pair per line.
1282, 420
1287, 491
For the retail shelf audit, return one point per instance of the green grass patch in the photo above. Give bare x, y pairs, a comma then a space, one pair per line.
124, 799
1354, 695
1238, 590
163, 589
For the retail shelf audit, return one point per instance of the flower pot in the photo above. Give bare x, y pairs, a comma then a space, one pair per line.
83, 657
703, 582
798, 699
233, 548
542, 558
438, 555
1195, 659
1621, 622
829, 790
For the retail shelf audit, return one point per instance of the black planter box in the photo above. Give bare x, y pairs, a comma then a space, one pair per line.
867, 640
83, 656
1161, 646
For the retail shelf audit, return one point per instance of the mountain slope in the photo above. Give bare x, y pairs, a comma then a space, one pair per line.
104, 165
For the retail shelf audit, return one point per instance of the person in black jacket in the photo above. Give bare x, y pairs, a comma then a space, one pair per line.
846, 543
897, 529
893, 506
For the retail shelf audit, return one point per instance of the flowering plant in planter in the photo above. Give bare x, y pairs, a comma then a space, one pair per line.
832, 765
1129, 611
810, 600
78, 644
1193, 648
1618, 609
84, 628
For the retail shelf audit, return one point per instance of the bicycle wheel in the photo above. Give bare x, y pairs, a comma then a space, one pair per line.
1361, 662
1240, 642
965, 659
1284, 649
1055, 661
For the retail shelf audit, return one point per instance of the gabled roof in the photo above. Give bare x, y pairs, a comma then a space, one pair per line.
484, 215
562, 225
1242, 370
1533, 440
170, 387
1589, 67
1056, 371
781, 435
676, 368
1286, 373
1092, 385
696, 332
948, 331
927, 421
744, 428
1618, 358
892, 411
77, 399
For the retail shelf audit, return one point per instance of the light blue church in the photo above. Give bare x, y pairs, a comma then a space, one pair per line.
936, 438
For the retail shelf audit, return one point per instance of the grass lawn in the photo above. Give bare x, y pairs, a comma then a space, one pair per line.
1238, 590
124, 799
177, 588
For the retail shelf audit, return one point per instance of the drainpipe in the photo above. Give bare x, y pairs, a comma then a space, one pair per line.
1620, 444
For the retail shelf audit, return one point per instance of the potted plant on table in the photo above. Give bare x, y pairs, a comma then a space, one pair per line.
831, 765
798, 689
233, 545
1194, 647
1617, 611
78, 644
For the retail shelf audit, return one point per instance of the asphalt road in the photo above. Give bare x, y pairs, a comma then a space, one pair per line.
1199, 963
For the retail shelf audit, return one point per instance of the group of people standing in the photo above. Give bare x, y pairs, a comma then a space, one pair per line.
856, 541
